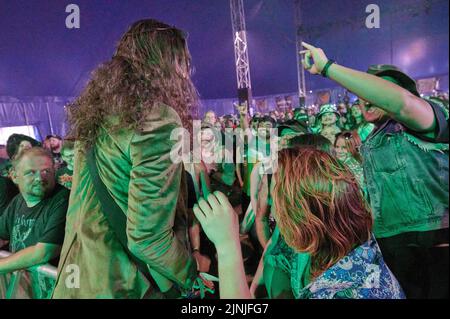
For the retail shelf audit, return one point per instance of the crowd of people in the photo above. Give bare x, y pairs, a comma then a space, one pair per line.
348, 202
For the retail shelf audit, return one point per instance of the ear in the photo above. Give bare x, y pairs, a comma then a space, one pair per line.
14, 176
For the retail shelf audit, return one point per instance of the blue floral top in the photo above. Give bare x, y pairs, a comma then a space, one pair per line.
362, 274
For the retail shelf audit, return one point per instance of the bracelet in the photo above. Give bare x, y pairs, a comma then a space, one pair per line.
326, 67
195, 249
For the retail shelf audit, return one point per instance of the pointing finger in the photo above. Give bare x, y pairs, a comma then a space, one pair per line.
308, 46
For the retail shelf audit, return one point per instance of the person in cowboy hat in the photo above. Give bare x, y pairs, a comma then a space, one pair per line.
328, 118
405, 162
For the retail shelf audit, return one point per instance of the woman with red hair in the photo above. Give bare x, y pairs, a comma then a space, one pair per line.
322, 215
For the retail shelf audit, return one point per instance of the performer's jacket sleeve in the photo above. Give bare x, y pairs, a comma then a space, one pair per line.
152, 201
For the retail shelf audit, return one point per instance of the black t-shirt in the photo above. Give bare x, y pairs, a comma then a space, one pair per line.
44, 223
7, 192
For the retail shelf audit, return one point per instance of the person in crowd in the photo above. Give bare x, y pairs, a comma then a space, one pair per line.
7, 192
4, 159
255, 150
260, 178
34, 221
346, 148
405, 162
281, 117
210, 118
15, 145
290, 129
328, 119
123, 123
289, 114
312, 118
196, 176
343, 114
64, 174
254, 122
229, 122
219, 165
54, 144
275, 259
358, 122
328, 226
274, 115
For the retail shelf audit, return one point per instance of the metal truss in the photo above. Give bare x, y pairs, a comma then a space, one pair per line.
240, 44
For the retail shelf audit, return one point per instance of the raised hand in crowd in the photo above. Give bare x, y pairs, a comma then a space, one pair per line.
220, 224
380, 96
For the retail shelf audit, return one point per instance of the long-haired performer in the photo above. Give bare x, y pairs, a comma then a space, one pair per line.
123, 122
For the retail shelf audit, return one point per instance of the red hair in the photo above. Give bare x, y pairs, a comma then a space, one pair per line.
319, 206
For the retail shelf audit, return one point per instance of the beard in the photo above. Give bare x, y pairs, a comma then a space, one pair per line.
40, 190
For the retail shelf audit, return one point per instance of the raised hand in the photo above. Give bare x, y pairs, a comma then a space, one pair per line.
318, 57
218, 219
242, 108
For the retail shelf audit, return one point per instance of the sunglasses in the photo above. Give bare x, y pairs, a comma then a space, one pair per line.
347, 135
365, 104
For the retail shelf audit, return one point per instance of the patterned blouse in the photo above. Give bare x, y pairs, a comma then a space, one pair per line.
362, 274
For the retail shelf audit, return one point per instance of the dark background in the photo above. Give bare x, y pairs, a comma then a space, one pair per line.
39, 56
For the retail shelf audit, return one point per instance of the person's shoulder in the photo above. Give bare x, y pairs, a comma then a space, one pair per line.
440, 105
160, 115
60, 193
440, 132
14, 205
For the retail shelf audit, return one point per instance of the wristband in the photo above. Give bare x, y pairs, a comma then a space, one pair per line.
326, 67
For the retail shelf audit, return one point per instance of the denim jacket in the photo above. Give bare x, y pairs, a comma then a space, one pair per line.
407, 177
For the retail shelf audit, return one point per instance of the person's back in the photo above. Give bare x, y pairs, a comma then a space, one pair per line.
123, 122
128, 166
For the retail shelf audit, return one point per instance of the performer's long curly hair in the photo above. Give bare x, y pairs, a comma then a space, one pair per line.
151, 65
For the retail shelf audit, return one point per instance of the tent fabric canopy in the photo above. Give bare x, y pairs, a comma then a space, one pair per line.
47, 114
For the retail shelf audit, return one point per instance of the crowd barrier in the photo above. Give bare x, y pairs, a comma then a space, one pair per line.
33, 283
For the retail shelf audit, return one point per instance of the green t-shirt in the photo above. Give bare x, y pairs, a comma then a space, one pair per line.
26, 226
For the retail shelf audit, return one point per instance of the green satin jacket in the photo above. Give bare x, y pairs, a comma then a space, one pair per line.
137, 170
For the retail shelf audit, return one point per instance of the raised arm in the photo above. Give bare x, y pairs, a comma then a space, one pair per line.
244, 118
399, 103
259, 196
